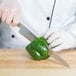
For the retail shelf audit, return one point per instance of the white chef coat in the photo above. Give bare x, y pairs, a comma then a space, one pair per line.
35, 13
34, 17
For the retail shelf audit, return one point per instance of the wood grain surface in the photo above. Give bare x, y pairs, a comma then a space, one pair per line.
15, 58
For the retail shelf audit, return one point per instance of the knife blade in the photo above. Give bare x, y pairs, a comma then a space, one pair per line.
26, 33
30, 36
58, 58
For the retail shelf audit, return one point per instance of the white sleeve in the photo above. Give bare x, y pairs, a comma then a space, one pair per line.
70, 26
73, 29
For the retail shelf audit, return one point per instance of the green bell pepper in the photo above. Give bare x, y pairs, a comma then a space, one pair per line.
38, 49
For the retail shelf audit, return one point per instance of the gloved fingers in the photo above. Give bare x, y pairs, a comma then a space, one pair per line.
49, 33
16, 19
64, 45
59, 48
56, 43
54, 37
0, 12
50, 41
10, 17
5, 13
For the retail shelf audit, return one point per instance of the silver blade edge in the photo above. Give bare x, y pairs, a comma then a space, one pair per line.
58, 58
26, 33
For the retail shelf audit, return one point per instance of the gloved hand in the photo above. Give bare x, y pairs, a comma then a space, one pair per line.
60, 40
10, 11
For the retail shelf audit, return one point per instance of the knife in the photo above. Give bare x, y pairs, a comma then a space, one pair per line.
30, 36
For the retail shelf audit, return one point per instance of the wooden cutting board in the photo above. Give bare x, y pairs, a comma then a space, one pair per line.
15, 58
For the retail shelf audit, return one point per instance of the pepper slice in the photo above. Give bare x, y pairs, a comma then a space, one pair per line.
38, 49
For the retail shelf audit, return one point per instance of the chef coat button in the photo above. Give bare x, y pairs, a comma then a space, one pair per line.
13, 36
48, 18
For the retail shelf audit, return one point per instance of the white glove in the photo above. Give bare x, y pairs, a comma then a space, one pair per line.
60, 40
10, 11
